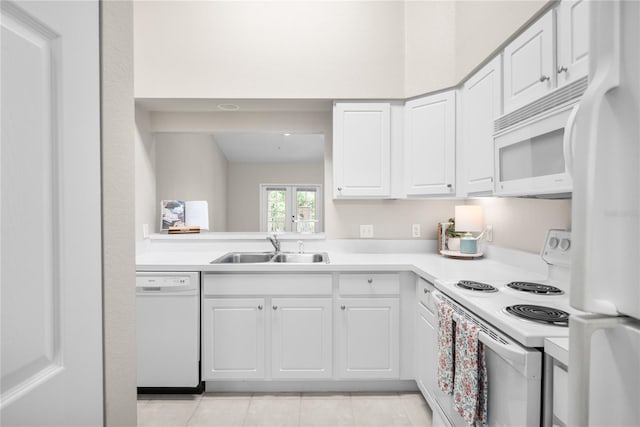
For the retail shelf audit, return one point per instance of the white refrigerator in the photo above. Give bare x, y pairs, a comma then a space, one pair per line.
604, 353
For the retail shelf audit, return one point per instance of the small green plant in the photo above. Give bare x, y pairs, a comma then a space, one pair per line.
451, 230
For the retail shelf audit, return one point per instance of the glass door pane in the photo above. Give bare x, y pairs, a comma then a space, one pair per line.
306, 212
276, 210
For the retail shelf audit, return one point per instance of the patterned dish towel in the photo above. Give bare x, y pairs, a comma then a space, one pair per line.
470, 385
445, 347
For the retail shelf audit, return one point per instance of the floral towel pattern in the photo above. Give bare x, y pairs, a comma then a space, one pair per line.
445, 347
470, 384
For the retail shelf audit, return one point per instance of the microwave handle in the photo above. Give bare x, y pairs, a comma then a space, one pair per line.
568, 140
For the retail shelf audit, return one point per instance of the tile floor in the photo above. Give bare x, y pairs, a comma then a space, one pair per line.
284, 409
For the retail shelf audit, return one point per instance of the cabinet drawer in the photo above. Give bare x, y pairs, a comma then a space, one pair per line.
369, 284
423, 292
267, 284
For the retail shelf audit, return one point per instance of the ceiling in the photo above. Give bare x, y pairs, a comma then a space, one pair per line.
271, 147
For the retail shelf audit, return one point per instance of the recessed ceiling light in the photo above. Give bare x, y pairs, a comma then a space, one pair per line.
228, 107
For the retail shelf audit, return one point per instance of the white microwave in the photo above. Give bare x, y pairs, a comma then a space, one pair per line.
533, 157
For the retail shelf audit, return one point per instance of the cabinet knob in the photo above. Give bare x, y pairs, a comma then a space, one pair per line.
544, 79
343, 307
275, 307
426, 291
369, 281
449, 185
339, 188
562, 69
260, 307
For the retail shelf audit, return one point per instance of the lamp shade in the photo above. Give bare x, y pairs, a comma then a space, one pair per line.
468, 218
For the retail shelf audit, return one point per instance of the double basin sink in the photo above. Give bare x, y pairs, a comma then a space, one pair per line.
272, 257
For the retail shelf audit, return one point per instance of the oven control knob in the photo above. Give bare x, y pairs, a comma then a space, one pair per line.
553, 242
565, 244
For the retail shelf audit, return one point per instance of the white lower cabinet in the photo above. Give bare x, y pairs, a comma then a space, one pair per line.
233, 338
368, 337
262, 326
301, 338
426, 351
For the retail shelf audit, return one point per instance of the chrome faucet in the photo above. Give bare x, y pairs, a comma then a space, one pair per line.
275, 242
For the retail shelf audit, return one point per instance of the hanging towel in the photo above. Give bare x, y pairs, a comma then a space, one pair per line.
445, 347
470, 385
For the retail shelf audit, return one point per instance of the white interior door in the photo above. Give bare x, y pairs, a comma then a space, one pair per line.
50, 245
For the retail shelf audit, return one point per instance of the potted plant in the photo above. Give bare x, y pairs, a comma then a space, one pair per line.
453, 237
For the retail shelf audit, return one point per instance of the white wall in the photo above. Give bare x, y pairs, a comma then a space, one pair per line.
523, 223
316, 49
145, 175
272, 49
190, 166
243, 188
118, 200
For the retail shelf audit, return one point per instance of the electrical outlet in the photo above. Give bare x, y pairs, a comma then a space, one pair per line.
489, 233
415, 230
145, 231
366, 231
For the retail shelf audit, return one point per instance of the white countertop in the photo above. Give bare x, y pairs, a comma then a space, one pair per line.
431, 266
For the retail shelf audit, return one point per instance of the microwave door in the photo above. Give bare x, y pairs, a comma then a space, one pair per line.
606, 197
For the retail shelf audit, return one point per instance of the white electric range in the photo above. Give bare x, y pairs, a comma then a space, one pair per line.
513, 345
498, 298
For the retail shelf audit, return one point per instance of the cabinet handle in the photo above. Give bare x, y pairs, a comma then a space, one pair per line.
562, 69
369, 281
275, 307
343, 307
426, 291
449, 186
339, 188
260, 307
544, 79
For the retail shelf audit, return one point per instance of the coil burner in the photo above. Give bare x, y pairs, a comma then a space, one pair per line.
470, 285
535, 288
540, 314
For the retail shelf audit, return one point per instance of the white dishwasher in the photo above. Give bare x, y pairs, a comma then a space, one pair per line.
168, 331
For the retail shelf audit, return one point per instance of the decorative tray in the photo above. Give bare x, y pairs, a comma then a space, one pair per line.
458, 254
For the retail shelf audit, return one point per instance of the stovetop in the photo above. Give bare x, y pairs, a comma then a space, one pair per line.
550, 291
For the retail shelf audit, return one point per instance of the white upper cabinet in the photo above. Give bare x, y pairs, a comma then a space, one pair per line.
481, 103
429, 138
362, 150
528, 64
573, 41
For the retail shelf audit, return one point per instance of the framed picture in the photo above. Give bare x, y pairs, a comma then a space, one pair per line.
171, 213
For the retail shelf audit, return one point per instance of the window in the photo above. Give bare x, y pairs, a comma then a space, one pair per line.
290, 208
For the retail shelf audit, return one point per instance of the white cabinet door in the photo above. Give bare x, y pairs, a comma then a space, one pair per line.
528, 64
301, 338
430, 145
361, 150
426, 351
368, 342
233, 338
573, 41
481, 103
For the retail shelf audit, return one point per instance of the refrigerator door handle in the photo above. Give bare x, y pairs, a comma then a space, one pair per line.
604, 78
582, 328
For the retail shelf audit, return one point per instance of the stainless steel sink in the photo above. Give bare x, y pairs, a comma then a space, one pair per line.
301, 258
244, 258
270, 257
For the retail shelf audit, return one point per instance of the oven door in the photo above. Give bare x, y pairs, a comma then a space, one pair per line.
514, 383
534, 157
